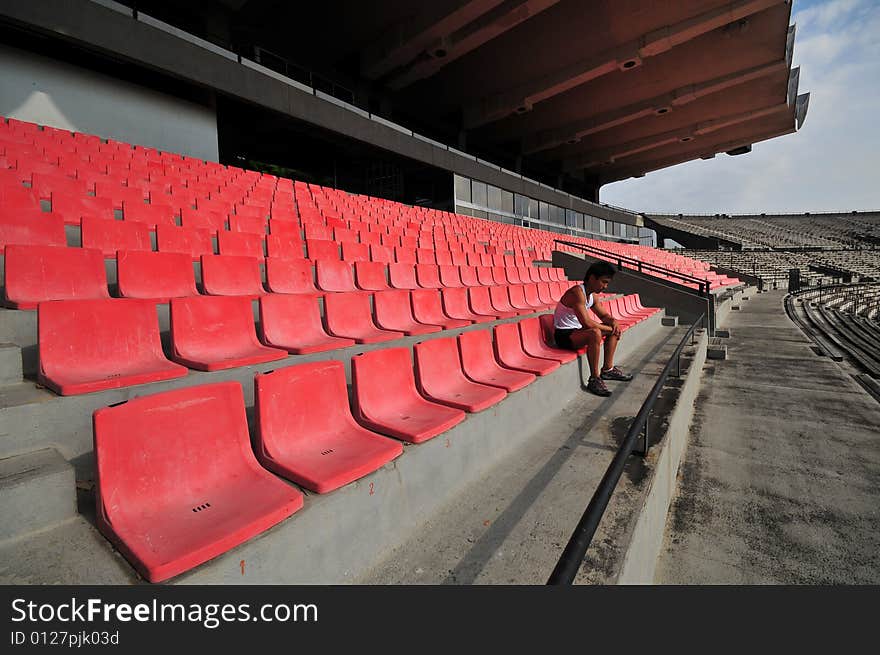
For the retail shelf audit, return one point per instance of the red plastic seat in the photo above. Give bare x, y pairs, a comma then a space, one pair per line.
318, 445
455, 305
72, 208
535, 344
509, 352
449, 276
382, 254
110, 236
290, 276
284, 246
500, 300
349, 315
512, 275
321, 249
14, 197
484, 276
194, 243
402, 276
428, 309
35, 274
428, 276
225, 275
94, 345
544, 274
530, 292
547, 294
482, 305
479, 364
355, 252
240, 244
370, 276
177, 481
152, 215
216, 333
247, 224
334, 275
441, 379
468, 276
202, 220
498, 275
293, 322
386, 399
518, 301
405, 256
393, 312
156, 276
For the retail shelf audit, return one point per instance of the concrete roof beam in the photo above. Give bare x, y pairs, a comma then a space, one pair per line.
625, 57
657, 105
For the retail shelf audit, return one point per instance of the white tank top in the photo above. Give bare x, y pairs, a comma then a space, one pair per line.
564, 317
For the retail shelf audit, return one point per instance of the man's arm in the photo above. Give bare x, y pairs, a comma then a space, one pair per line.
606, 317
574, 298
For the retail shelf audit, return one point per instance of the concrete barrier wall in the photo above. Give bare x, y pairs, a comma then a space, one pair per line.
647, 537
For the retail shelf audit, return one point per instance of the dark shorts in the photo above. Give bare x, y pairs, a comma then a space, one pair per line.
562, 337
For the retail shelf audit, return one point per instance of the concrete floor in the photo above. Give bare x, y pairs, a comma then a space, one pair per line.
781, 480
511, 526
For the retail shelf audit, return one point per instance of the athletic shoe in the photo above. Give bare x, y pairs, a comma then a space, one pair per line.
615, 373
597, 386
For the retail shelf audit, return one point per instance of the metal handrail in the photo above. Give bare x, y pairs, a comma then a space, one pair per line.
576, 550
639, 265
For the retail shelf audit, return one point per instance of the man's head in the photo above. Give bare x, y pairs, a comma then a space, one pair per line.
598, 276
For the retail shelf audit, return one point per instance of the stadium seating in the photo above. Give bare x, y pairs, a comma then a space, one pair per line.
290, 276
192, 242
349, 315
334, 275
479, 364
293, 322
386, 399
427, 309
240, 244
215, 333
509, 352
177, 481
370, 276
36, 274
534, 343
228, 275
93, 345
393, 311
157, 276
111, 236
482, 306
319, 445
441, 379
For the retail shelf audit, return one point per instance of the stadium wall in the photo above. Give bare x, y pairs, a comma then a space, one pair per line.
51, 92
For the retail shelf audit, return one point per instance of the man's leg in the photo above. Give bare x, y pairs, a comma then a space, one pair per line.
591, 338
609, 371
610, 348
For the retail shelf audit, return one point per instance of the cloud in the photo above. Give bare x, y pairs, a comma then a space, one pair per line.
830, 164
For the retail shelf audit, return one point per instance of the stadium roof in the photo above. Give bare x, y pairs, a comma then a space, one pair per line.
607, 89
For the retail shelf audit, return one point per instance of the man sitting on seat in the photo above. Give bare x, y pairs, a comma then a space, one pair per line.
575, 329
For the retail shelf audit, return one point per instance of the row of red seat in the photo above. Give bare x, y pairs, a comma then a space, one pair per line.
178, 482
35, 274
94, 345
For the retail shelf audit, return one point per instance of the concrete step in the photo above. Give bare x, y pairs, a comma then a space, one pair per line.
337, 537
10, 364
33, 417
37, 490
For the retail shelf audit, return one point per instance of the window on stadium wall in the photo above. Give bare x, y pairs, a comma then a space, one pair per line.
481, 200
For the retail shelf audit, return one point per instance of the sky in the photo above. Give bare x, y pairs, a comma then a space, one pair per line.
831, 164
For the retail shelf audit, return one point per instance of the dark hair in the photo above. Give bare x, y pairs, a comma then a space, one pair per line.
600, 269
